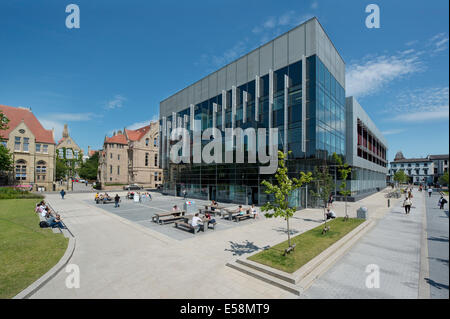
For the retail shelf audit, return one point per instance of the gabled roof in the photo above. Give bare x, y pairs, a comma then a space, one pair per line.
16, 115
136, 135
438, 157
411, 160
116, 139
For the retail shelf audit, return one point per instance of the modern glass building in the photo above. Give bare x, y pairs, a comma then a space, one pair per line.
295, 83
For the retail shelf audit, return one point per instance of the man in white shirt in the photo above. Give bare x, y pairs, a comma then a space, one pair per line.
197, 222
430, 190
330, 214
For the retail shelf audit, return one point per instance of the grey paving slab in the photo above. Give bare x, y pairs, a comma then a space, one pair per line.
438, 248
393, 245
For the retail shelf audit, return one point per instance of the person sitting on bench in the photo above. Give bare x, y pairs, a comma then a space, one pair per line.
214, 205
175, 209
211, 220
253, 211
330, 214
196, 222
241, 210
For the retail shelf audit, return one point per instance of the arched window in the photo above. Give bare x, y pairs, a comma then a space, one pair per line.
146, 159
41, 170
147, 140
21, 170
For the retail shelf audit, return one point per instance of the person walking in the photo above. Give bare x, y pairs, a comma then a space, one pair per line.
184, 193
442, 202
116, 200
430, 190
407, 204
62, 192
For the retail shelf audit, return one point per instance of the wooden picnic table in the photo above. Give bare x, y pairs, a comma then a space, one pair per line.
188, 218
176, 215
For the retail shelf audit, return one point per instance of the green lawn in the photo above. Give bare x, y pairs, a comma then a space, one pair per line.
308, 245
26, 250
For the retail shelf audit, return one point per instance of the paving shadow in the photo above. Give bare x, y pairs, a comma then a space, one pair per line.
436, 284
245, 248
441, 239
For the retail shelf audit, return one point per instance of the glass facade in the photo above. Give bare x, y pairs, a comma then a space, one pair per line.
324, 127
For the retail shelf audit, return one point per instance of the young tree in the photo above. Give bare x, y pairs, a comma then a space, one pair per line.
443, 180
281, 191
324, 188
61, 168
400, 177
344, 170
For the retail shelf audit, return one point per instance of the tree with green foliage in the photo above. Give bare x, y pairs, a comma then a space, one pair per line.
344, 170
324, 188
282, 191
61, 168
88, 169
443, 180
6, 160
400, 177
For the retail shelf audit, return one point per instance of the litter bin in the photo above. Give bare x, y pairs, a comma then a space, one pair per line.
361, 213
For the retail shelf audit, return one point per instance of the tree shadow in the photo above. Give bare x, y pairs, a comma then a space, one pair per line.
441, 239
436, 284
284, 230
245, 248
441, 260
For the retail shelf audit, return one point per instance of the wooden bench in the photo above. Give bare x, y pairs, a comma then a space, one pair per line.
186, 225
245, 216
169, 219
170, 216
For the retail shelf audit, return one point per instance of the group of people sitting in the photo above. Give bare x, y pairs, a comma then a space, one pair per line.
53, 219
139, 197
105, 196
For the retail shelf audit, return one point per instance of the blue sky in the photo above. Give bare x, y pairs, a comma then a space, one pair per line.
127, 56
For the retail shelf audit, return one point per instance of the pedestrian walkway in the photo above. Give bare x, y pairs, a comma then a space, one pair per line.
393, 245
437, 238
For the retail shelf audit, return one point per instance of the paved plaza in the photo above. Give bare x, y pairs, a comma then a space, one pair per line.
122, 254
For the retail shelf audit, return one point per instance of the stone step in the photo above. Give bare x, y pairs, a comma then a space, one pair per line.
56, 230
280, 283
65, 232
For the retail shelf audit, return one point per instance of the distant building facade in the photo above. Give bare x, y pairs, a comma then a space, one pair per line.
69, 151
440, 165
32, 147
418, 170
131, 157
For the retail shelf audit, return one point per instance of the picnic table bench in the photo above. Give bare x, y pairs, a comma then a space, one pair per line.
245, 216
162, 218
185, 221
104, 200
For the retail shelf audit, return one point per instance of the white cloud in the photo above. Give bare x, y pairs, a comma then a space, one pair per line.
268, 29
72, 117
116, 102
393, 131
423, 116
136, 125
439, 42
51, 124
367, 77
420, 105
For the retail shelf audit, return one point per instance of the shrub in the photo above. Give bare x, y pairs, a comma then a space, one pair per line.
14, 193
